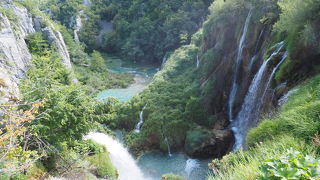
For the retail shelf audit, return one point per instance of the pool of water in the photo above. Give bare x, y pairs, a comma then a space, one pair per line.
155, 164
142, 77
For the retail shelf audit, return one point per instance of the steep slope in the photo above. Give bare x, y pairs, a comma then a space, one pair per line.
235, 69
16, 24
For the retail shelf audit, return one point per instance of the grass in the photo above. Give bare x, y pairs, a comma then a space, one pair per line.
245, 165
104, 167
296, 125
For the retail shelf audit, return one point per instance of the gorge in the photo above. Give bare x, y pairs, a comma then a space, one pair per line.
170, 90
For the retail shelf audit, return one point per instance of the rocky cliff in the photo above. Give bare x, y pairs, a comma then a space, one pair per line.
16, 23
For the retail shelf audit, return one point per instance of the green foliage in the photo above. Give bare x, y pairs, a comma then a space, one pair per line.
104, 167
9, 13
195, 138
299, 117
144, 31
76, 50
97, 81
36, 44
97, 62
245, 164
293, 165
64, 10
171, 177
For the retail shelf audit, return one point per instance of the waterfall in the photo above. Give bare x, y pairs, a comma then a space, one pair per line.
198, 61
164, 60
251, 105
168, 146
234, 87
138, 126
120, 157
78, 26
191, 165
285, 97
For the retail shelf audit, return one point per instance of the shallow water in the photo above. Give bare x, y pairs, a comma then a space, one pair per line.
142, 76
155, 164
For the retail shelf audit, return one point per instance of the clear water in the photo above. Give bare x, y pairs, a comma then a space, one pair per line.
142, 76
155, 164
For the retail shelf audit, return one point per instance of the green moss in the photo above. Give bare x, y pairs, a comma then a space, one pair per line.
172, 177
104, 167
195, 138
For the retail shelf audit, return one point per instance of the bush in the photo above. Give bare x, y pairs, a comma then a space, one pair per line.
293, 165
104, 167
97, 62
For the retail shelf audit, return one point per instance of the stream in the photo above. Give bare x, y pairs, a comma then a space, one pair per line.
151, 165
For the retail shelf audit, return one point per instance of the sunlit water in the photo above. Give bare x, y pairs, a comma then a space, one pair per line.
155, 164
142, 78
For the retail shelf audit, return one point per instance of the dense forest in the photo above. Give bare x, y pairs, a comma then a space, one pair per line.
224, 89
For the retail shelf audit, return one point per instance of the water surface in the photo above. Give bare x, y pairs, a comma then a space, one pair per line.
142, 77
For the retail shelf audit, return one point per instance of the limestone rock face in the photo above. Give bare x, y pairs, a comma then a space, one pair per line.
55, 38
14, 53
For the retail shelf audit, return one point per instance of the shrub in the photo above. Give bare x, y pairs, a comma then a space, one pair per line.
104, 167
293, 165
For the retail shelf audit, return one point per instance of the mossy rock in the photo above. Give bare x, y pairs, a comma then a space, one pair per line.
195, 138
103, 166
172, 177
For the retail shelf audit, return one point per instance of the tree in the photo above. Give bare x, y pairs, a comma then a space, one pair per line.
97, 62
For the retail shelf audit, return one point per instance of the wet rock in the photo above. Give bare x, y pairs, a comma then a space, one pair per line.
202, 143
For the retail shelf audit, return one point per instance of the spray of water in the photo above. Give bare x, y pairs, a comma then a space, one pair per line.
191, 165
120, 157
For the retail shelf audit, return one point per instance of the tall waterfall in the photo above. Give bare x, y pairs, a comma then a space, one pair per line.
138, 126
238, 60
252, 102
120, 157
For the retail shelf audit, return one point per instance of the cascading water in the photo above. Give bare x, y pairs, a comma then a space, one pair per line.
234, 86
251, 105
191, 165
120, 157
78, 26
198, 61
138, 126
168, 146
164, 60
285, 97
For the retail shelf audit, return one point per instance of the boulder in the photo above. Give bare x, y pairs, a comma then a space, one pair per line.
201, 143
